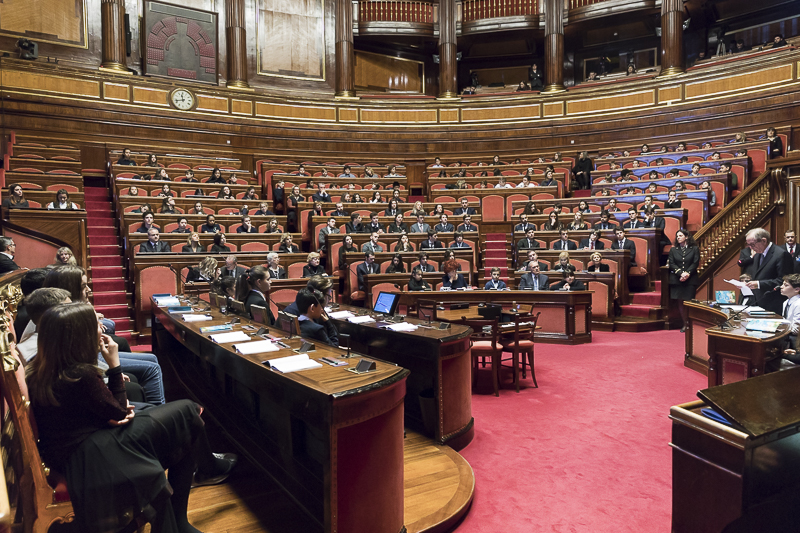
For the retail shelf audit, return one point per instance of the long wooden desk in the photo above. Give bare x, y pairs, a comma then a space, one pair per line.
730, 355
439, 361
566, 315
309, 430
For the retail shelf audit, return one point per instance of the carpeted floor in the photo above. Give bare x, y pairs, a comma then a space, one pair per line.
588, 450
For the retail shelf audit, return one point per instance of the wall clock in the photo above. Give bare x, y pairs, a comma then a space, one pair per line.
182, 99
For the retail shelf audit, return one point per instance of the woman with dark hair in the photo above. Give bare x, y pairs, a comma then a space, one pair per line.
219, 246
398, 226
168, 206
684, 258
211, 225
251, 288
775, 144
193, 245
224, 286
396, 266
62, 201
416, 283
451, 278
226, 194
16, 198
549, 177
531, 209
216, 176
165, 191
403, 244
272, 226
286, 246
583, 207
347, 246
152, 161
438, 210
552, 223
161, 175
376, 198
393, 209
630, 70
357, 199
114, 461
250, 194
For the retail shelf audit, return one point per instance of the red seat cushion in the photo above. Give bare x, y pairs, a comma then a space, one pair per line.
522, 345
482, 346
59, 484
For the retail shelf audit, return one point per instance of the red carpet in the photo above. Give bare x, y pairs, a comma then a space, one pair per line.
588, 450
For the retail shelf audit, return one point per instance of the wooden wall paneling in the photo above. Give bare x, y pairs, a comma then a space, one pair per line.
241, 107
67, 228
611, 103
53, 21
291, 39
500, 113
151, 96
51, 83
288, 111
116, 91
388, 116
378, 71
740, 82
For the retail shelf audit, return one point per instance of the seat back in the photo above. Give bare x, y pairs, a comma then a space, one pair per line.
287, 323
259, 314
238, 307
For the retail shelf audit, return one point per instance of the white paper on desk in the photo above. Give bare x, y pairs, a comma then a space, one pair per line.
402, 326
361, 319
195, 318
338, 315
742, 285
233, 336
168, 301
293, 363
249, 348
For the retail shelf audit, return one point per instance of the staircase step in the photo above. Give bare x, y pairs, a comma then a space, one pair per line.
110, 298
105, 249
106, 260
632, 310
658, 286
108, 285
583, 193
103, 240
645, 298
95, 192
102, 231
637, 325
123, 324
102, 206
114, 311
107, 272
100, 220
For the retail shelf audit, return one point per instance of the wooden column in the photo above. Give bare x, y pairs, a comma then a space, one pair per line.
345, 58
448, 68
672, 60
553, 46
112, 13
236, 42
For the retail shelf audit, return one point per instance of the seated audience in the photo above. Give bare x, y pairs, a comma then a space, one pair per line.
168, 206
552, 224
416, 283
458, 241
529, 242
272, 226
274, 269
596, 263
372, 245
367, 267
154, 244
569, 283
64, 256
396, 266
329, 229
207, 271
444, 226
147, 223
287, 246
251, 287
464, 208
452, 279
404, 244
219, 246
398, 226
125, 158
247, 226
432, 242
672, 201
16, 198
232, 268
193, 245
313, 268
216, 176
355, 225
183, 226
495, 283
423, 263
592, 242
563, 243
621, 242
31, 280
420, 226
311, 305
210, 226
533, 280
467, 225
374, 225
62, 201
263, 210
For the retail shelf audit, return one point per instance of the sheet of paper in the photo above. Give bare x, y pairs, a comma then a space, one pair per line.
249, 348
233, 336
338, 315
195, 318
402, 326
742, 285
168, 301
293, 363
361, 319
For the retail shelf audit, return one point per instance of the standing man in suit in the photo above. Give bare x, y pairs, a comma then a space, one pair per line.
367, 267
372, 245
767, 265
533, 280
622, 243
153, 244
467, 225
524, 225
605, 223
444, 226
321, 195
7, 252
528, 243
564, 243
592, 242
329, 229
583, 171
535, 77
790, 244
465, 209
420, 226
633, 220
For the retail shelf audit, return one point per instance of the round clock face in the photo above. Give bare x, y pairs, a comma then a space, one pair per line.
182, 99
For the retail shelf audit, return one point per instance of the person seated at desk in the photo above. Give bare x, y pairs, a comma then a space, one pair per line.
346, 173
147, 223
273, 226
563, 243
246, 226
596, 264
396, 265
633, 220
183, 226
577, 223
563, 262
263, 210
464, 208
274, 268
452, 279
347, 246
161, 175
444, 226
623, 243
495, 284
791, 312
403, 244
231, 268
251, 288
569, 283
310, 303
416, 283
153, 245
398, 226
423, 263
220, 246
592, 242
367, 267
393, 209
355, 225
432, 242
524, 225
339, 211
467, 225
313, 268
372, 245
532, 256
706, 186
193, 245
529, 242
459, 241
533, 280
188, 177
552, 224
216, 176
549, 177
321, 195
206, 271
125, 158
16, 198
374, 224
420, 226
672, 201
329, 229
210, 226
286, 246
648, 199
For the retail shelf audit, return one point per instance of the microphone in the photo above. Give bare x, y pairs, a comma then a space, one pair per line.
737, 315
427, 317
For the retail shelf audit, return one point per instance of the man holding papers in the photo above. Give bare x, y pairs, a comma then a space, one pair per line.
310, 304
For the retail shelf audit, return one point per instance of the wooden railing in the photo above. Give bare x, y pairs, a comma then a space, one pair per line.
583, 3
486, 9
395, 11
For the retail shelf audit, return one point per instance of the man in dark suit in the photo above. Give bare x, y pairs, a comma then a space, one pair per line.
532, 256
652, 221
329, 229
153, 244
605, 223
321, 195
592, 242
444, 226
355, 225
459, 241
528, 243
312, 307
533, 280
423, 263
467, 225
7, 252
339, 211
790, 244
232, 268
432, 242
623, 243
524, 225
633, 220
564, 243
767, 265
374, 225
569, 283
465, 209
367, 267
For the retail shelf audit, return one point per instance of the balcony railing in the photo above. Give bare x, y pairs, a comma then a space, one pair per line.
487, 9
395, 11
583, 3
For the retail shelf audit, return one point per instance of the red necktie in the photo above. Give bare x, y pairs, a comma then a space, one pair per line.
791, 250
591, 245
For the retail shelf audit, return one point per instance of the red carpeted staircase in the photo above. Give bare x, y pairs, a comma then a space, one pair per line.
644, 313
107, 272
495, 255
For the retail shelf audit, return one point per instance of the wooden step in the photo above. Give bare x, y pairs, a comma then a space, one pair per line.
634, 324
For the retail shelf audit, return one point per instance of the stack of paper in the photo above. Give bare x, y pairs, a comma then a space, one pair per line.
195, 318
361, 319
168, 301
402, 326
249, 348
338, 315
293, 363
233, 336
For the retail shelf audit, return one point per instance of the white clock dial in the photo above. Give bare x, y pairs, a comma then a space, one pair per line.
182, 99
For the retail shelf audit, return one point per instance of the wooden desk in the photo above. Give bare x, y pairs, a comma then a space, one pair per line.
330, 438
566, 315
727, 356
439, 361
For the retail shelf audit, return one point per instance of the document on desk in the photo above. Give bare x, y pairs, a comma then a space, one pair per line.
195, 318
361, 319
338, 315
233, 336
742, 286
402, 326
249, 348
293, 363
167, 301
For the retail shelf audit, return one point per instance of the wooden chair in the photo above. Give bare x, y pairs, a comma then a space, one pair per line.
485, 345
288, 323
522, 344
238, 308
260, 314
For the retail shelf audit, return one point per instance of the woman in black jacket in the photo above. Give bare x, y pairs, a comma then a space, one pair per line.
313, 268
684, 258
219, 246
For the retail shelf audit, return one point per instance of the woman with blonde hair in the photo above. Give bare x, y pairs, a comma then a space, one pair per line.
64, 256
313, 268
596, 264
206, 271
192, 245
